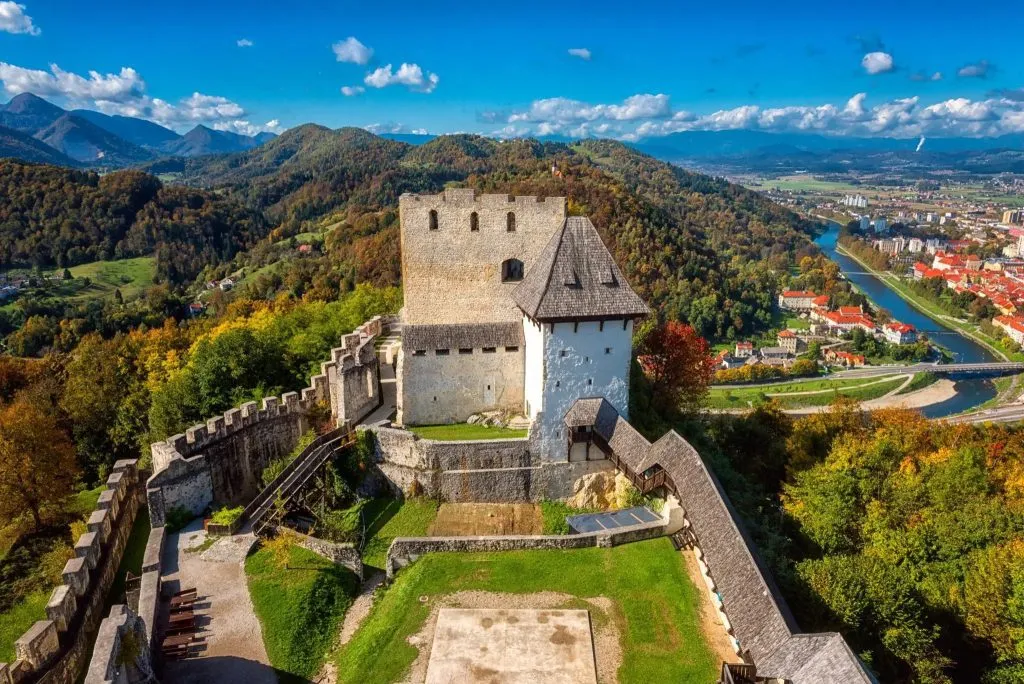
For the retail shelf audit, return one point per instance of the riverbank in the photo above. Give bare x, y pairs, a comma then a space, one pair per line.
935, 393
960, 326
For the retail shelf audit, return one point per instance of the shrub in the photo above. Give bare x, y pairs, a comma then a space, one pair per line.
177, 518
227, 516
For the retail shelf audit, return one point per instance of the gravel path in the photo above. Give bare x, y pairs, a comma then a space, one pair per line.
231, 641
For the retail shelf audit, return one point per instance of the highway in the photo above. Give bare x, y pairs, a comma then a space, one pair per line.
994, 367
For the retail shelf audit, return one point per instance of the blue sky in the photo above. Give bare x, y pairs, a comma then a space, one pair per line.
637, 69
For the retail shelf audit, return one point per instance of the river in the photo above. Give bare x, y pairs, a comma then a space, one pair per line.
970, 392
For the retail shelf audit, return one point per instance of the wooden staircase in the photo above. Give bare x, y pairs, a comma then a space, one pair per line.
265, 511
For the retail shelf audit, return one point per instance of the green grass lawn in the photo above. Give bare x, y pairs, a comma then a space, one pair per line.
131, 560
300, 608
740, 397
919, 381
825, 398
390, 518
798, 324
464, 431
18, 618
555, 512
656, 607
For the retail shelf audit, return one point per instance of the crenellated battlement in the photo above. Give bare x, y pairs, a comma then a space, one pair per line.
54, 649
220, 461
468, 197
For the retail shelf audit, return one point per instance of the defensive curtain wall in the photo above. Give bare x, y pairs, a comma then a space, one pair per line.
454, 245
55, 650
220, 462
446, 373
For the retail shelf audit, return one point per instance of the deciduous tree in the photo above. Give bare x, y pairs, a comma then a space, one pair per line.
37, 462
678, 362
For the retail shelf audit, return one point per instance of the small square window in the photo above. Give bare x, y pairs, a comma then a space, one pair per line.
590, 381
586, 359
511, 349
441, 352
466, 351
607, 350
558, 383
563, 353
489, 350
420, 352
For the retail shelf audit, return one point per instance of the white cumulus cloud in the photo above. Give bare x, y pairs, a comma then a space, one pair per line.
124, 93
14, 20
410, 75
352, 51
244, 42
646, 116
349, 91
877, 62
245, 128
582, 53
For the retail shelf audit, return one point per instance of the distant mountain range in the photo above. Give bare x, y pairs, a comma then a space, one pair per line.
83, 137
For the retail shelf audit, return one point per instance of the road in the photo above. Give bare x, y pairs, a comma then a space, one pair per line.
938, 369
1002, 414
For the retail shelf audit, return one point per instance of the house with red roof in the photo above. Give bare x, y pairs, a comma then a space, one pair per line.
744, 350
843, 358
899, 333
789, 341
797, 300
1013, 326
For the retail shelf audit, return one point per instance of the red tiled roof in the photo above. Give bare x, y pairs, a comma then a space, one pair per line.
798, 294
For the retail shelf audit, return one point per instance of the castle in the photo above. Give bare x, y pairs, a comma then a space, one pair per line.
510, 305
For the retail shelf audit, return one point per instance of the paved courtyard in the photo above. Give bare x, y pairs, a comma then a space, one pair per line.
512, 647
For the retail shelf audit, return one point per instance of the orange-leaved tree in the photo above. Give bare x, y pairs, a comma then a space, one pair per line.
37, 462
678, 363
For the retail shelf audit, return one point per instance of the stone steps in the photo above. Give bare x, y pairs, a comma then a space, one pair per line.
519, 423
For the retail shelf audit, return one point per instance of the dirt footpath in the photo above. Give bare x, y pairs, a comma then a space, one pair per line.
230, 647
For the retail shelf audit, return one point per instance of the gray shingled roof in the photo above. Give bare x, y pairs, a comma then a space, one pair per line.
575, 277
760, 618
462, 335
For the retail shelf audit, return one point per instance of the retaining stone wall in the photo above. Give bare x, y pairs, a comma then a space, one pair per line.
346, 555
488, 471
404, 550
220, 462
54, 651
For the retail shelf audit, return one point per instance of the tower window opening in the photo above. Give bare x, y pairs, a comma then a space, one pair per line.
474, 222
433, 219
511, 271
510, 222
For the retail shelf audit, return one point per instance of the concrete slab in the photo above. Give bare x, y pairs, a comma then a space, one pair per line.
512, 647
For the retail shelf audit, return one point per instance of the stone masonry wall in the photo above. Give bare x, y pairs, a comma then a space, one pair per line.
404, 550
495, 471
435, 390
54, 651
452, 274
346, 555
121, 654
220, 462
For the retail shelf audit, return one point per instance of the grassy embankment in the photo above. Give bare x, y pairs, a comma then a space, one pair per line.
464, 431
655, 607
820, 392
300, 605
390, 518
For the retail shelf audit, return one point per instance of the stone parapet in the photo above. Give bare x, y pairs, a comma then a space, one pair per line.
220, 462
404, 550
119, 655
55, 650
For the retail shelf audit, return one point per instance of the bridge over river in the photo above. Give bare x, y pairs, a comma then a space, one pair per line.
979, 369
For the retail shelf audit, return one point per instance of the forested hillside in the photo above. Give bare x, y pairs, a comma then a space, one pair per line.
51, 216
700, 249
